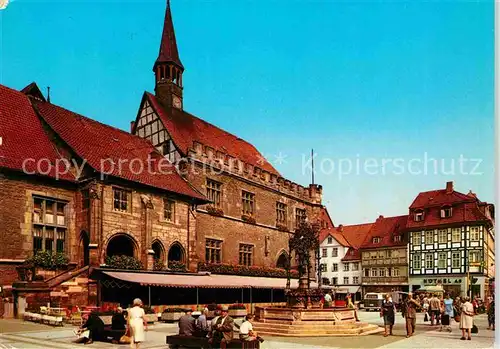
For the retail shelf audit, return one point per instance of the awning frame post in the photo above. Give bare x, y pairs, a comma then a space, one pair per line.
197, 298
251, 301
149, 296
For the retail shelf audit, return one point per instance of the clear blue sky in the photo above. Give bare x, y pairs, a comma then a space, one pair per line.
353, 80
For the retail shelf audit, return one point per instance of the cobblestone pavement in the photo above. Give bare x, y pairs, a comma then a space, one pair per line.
15, 334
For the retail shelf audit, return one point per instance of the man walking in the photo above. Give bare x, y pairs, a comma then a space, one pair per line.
434, 306
409, 312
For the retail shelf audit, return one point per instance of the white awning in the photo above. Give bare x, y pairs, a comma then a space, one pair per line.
201, 280
347, 289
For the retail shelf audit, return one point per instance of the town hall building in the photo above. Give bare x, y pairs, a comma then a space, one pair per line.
212, 203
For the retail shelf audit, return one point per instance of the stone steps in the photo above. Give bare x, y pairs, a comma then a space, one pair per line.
308, 326
339, 332
307, 322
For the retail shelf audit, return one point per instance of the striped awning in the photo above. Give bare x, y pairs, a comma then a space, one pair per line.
200, 280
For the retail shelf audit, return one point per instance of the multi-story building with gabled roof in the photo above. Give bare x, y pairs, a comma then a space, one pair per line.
451, 237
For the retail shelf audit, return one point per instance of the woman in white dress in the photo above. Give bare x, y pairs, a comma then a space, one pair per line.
137, 323
466, 318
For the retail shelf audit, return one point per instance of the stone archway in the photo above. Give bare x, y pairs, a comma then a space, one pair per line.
84, 248
176, 253
121, 245
159, 254
282, 260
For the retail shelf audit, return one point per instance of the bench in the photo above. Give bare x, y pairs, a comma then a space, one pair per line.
178, 341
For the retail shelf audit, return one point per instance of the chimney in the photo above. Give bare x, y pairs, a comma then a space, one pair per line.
449, 187
132, 124
380, 217
340, 228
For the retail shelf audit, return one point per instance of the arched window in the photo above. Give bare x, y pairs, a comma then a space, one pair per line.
176, 253
121, 245
282, 260
159, 254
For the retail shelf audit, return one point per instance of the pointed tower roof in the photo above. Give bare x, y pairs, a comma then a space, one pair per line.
168, 46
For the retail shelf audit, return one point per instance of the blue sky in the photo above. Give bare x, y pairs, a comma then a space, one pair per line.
378, 80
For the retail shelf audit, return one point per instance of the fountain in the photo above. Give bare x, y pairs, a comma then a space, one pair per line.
303, 314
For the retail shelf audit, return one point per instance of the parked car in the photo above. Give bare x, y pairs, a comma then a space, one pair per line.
373, 301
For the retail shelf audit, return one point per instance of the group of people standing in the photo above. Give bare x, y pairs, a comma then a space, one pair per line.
440, 311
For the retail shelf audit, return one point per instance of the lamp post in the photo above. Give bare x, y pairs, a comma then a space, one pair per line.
289, 264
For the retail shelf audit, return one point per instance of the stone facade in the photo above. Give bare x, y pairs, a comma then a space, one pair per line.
16, 212
269, 239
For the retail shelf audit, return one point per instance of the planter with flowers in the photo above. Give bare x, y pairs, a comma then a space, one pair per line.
220, 268
176, 266
237, 310
248, 219
172, 314
282, 227
214, 211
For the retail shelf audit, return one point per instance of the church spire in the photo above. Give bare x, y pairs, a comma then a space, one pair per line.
168, 68
168, 45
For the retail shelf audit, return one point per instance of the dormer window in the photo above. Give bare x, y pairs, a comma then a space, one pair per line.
446, 212
419, 216
397, 238
376, 240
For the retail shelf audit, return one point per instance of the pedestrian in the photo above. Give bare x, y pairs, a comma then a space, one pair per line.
491, 314
434, 307
447, 312
388, 312
466, 318
425, 306
351, 305
328, 300
409, 312
137, 323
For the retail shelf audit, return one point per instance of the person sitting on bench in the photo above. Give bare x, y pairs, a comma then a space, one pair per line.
187, 325
246, 330
95, 327
118, 325
202, 324
222, 332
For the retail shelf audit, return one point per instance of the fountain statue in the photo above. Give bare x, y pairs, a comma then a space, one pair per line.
303, 314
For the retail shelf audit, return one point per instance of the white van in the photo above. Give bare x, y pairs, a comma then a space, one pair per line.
373, 301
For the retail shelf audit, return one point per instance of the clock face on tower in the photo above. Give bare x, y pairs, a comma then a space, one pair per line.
176, 102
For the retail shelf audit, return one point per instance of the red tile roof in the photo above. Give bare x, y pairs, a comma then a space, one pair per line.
325, 219
438, 198
350, 236
168, 46
326, 232
466, 212
353, 254
465, 208
386, 228
185, 129
23, 137
355, 234
102, 145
